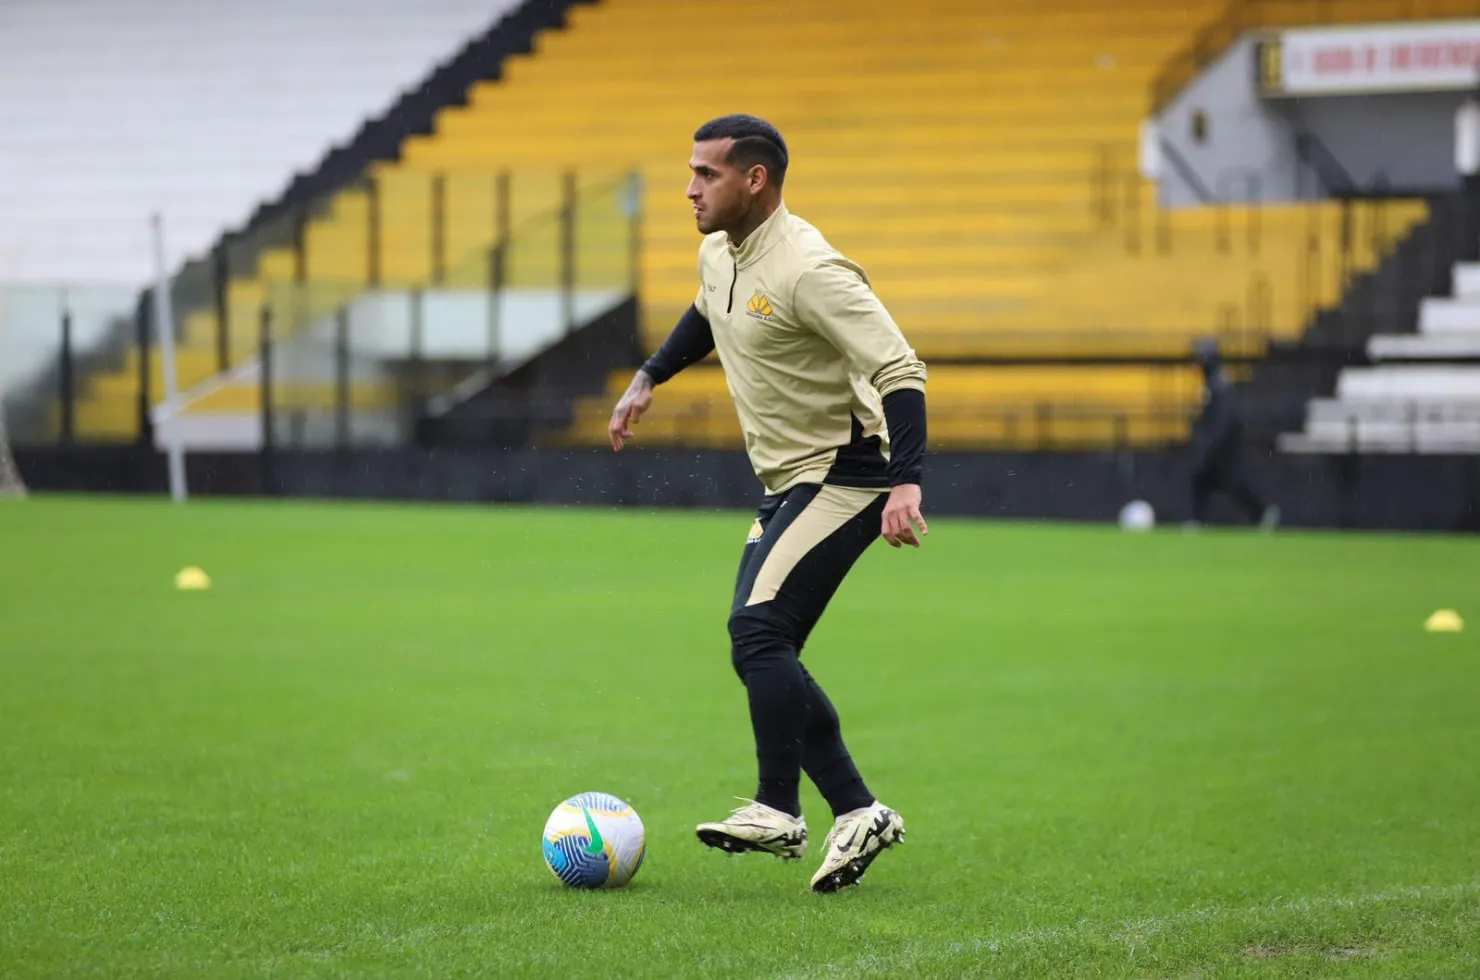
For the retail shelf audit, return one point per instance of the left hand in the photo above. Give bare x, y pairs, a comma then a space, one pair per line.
901, 513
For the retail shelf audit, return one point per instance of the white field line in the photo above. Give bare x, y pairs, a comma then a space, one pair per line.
1131, 932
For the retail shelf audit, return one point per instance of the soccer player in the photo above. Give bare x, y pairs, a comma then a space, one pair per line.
831, 401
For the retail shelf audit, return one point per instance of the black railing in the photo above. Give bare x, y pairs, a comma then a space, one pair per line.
1417, 265
298, 415
1117, 190
382, 138
1230, 183
221, 276
1185, 171
581, 251
498, 278
143, 319
265, 347
1314, 158
355, 387
568, 205
415, 231
1042, 424
66, 384
439, 228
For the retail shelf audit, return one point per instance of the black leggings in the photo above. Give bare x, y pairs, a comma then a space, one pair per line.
1226, 473
802, 545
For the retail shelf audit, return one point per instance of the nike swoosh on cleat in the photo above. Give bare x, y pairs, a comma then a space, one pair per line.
597, 845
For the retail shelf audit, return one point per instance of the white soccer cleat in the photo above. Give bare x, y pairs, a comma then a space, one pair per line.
757, 827
855, 840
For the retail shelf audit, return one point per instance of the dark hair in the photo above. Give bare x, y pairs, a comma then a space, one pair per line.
756, 142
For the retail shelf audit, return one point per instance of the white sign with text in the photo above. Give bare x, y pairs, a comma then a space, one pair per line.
1422, 57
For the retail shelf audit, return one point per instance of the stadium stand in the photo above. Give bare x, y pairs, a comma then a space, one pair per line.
111, 111
979, 163
262, 123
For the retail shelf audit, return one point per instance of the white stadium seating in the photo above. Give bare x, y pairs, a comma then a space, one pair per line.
1421, 397
111, 110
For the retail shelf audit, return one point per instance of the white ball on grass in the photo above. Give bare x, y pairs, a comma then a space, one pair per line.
1137, 515
594, 840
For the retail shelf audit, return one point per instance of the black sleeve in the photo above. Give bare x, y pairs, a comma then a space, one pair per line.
690, 342
904, 413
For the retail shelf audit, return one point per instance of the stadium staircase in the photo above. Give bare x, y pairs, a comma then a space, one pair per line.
1412, 384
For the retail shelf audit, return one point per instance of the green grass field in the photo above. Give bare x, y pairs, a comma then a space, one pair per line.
1221, 755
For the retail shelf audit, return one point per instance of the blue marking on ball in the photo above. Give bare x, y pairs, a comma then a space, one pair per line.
572, 864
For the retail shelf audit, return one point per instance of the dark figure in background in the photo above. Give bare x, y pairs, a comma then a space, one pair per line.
1217, 449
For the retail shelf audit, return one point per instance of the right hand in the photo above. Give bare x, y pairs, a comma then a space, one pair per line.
902, 516
634, 401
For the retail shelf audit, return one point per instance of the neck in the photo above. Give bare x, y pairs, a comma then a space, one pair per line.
752, 220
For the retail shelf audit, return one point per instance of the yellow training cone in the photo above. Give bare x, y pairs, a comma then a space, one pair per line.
1444, 621
192, 578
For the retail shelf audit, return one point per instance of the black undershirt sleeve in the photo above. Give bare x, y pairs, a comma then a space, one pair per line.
904, 413
690, 342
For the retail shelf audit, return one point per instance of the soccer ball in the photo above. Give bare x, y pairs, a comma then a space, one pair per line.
594, 840
1137, 516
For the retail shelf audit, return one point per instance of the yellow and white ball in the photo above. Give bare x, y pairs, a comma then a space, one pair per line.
594, 840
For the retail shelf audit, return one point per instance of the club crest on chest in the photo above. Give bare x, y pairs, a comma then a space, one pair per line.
759, 306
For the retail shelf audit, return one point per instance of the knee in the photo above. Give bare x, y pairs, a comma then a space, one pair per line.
755, 636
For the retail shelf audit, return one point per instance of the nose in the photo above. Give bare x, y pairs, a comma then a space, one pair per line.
693, 191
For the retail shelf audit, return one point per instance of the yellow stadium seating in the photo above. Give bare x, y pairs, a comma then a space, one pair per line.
1074, 406
954, 148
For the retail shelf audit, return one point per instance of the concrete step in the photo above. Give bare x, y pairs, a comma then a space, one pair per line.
1329, 411
1424, 383
1467, 280
1300, 442
1436, 443
1420, 347
1444, 315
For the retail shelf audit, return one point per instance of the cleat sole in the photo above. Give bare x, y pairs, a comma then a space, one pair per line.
852, 873
719, 840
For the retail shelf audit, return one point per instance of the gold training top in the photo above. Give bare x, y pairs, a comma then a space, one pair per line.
809, 353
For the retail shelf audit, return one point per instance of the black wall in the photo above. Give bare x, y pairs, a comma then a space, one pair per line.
1432, 493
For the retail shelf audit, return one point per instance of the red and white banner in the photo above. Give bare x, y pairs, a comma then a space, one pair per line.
1421, 57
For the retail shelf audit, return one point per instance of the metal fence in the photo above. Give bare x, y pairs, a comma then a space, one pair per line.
365, 308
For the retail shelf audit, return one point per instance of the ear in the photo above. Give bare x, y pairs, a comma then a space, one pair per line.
757, 178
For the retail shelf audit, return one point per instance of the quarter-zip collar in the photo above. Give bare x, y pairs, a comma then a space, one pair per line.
760, 241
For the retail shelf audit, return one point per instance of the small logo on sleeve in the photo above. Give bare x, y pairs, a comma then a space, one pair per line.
755, 532
759, 306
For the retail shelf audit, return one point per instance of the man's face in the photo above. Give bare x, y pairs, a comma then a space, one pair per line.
721, 193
